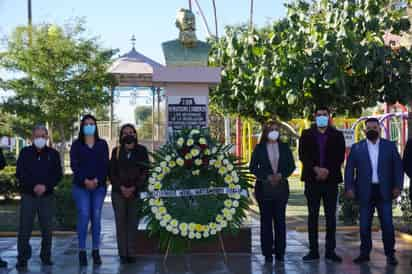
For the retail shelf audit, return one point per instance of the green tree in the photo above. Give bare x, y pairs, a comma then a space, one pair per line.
142, 114
60, 74
322, 53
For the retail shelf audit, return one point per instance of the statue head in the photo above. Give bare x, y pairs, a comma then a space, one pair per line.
185, 22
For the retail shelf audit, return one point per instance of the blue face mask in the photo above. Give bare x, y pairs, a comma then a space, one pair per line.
322, 121
89, 130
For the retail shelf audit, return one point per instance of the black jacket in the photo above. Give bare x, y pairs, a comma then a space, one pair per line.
35, 167
260, 166
129, 171
2, 160
407, 162
334, 154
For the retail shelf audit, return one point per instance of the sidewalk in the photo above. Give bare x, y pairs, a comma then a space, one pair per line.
65, 256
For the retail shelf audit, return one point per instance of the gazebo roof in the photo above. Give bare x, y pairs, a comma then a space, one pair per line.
134, 69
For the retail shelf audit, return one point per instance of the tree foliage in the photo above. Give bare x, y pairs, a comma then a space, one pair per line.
59, 74
322, 53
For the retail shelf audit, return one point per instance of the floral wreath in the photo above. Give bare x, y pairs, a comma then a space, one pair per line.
193, 160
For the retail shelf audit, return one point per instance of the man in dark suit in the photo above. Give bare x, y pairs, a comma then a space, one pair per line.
374, 175
2, 165
407, 165
322, 152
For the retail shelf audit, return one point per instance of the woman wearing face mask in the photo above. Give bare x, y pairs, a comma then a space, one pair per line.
272, 163
89, 159
128, 170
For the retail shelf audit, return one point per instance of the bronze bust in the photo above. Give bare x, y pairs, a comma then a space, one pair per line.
186, 50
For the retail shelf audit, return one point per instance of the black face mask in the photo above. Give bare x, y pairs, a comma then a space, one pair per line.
128, 139
372, 135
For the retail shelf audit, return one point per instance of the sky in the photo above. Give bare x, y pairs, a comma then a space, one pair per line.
152, 22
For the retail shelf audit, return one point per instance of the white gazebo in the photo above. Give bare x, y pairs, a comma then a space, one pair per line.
133, 70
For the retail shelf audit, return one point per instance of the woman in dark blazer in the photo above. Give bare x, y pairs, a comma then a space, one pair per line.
128, 172
272, 163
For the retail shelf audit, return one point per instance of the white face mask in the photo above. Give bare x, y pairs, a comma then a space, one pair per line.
273, 135
40, 142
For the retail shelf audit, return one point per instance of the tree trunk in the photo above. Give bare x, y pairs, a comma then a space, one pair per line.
62, 147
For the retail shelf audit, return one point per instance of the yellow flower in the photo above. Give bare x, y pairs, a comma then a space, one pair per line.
202, 141
192, 226
190, 142
157, 186
162, 210
232, 186
158, 202
206, 152
228, 179
219, 218
212, 226
174, 222
195, 172
218, 164
180, 161
198, 162
199, 228
194, 152
172, 164
167, 217
228, 203
166, 170
160, 176
236, 196
226, 212
188, 156
183, 226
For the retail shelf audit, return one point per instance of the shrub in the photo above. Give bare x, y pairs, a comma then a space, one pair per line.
8, 182
66, 215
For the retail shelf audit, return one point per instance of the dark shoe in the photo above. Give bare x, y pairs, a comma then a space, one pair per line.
47, 262
333, 257
268, 259
21, 265
96, 257
131, 260
82, 258
124, 260
3, 263
311, 256
361, 259
391, 260
280, 258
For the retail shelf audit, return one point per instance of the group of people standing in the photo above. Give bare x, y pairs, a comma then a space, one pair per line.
39, 171
373, 175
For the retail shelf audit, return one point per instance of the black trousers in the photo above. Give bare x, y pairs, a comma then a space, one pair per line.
30, 206
126, 213
272, 221
316, 192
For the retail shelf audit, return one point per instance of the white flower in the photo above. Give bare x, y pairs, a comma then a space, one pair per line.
234, 173
214, 150
183, 233
205, 234
229, 217
233, 211
180, 161
202, 141
163, 164
194, 131
220, 157
222, 170
219, 218
194, 152
192, 235
206, 152
150, 188
163, 223
198, 235
235, 204
228, 179
180, 141
192, 226
175, 231
167, 217
188, 156
213, 232
223, 224
190, 142
198, 162
225, 162
152, 180
168, 158
195, 172
218, 164
218, 227
158, 216
172, 164
154, 209
169, 228
212, 162
212, 226
152, 202
158, 169
235, 179
230, 167
236, 196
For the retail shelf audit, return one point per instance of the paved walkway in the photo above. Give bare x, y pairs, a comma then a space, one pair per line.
65, 257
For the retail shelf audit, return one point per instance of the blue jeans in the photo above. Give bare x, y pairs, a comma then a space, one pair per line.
89, 205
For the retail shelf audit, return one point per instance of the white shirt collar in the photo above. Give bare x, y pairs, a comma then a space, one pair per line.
373, 144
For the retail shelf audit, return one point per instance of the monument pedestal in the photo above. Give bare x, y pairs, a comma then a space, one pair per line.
239, 243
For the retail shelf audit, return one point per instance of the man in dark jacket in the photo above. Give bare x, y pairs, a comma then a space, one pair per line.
38, 172
322, 152
2, 165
